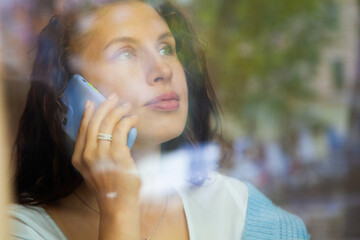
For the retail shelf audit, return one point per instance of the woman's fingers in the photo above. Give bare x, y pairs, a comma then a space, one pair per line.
120, 135
81, 137
104, 163
107, 125
101, 112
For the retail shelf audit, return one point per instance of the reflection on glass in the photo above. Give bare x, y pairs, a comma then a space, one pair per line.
283, 75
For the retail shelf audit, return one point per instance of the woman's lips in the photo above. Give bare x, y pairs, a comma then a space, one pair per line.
164, 102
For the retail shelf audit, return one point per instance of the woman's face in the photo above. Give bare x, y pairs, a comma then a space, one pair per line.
127, 48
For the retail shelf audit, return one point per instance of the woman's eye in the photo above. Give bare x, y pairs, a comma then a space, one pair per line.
167, 51
124, 54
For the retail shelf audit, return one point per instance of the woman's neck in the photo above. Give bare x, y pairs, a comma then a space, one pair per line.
148, 163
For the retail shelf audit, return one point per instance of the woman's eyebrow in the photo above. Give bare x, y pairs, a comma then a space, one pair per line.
121, 39
165, 35
133, 40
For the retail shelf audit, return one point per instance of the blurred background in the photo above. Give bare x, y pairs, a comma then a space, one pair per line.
287, 74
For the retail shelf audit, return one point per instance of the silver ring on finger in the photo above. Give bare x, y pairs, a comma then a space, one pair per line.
103, 136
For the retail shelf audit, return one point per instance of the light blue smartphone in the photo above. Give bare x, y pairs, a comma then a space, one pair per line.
75, 95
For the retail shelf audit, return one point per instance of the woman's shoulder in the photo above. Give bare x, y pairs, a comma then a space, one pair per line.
262, 218
265, 220
18, 210
32, 222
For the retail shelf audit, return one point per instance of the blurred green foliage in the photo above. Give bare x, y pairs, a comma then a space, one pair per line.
263, 56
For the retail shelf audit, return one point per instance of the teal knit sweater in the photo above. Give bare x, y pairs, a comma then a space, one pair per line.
265, 221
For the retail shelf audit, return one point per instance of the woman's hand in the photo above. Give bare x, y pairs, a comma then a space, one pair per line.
108, 167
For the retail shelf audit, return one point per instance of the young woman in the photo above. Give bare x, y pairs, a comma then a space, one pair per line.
144, 57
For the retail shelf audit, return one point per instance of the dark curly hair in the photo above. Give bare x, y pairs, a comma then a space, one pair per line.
44, 172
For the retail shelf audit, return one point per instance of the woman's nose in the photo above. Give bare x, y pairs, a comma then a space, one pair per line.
159, 71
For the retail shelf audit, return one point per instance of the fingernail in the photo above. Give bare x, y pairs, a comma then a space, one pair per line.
126, 105
87, 104
112, 96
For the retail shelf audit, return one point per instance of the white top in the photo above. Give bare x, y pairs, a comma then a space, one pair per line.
216, 210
